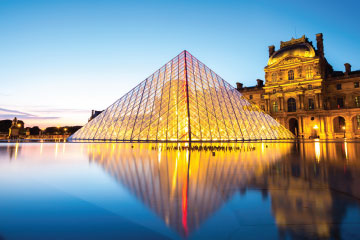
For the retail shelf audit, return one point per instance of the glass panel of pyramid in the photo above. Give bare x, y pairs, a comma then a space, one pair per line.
182, 101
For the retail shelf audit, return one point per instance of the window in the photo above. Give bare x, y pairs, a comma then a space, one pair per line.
262, 96
274, 77
340, 102
309, 73
356, 84
339, 124
357, 101
250, 97
310, 87
358, 122
291, 75
311, 104
291, 105
275, 107
274, 91
338, 86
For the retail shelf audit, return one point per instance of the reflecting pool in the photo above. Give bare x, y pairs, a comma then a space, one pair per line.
269, 190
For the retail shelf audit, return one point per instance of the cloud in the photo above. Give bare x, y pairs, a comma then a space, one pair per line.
10, 114
62, 110
15, 112
21, 117
44, 116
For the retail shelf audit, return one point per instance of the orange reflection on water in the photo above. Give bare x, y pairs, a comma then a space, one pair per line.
187, 184
184, 185
184, 178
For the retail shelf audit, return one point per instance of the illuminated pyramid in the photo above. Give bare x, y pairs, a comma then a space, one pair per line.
183, 101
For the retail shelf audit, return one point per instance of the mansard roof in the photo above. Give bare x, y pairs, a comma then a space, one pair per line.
300, 47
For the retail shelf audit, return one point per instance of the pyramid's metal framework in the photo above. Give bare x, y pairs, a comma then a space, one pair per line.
183, 101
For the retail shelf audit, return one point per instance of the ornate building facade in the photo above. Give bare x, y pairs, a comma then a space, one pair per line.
305, 94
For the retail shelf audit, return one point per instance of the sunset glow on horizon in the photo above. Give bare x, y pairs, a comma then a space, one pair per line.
62, 59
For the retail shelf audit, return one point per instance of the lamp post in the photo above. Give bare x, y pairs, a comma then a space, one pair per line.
65, 130
344, 130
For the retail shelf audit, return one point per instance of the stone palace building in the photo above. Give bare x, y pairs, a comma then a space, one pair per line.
305, 94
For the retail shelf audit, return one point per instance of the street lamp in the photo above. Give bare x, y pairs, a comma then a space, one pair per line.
344, 130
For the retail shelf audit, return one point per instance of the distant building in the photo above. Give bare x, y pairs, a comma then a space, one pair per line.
305, 94
27, 132
14, 130
94, 114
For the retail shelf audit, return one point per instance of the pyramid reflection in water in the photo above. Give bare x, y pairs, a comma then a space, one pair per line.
185, 187
183, 101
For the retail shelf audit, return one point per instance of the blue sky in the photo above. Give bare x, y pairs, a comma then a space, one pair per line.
59, 59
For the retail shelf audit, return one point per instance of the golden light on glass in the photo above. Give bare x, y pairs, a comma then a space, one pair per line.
182, 101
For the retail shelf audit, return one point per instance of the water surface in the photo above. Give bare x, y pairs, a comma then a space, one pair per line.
166, 191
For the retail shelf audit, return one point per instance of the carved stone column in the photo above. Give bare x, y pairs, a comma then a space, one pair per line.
317, 99
329, 128
302, 101
322, 133
321, 101
280, 104
267, 105
299, 102
349, 130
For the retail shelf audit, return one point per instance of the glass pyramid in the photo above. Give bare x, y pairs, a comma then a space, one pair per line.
183, 101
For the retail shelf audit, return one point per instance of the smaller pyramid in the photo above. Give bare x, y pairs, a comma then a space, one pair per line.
183, 101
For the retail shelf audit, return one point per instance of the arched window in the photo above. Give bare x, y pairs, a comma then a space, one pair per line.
339, 124
291, 105
291, 75
275, 107
274, 77
309, 73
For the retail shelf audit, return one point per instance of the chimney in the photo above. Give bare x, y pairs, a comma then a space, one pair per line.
320, 44
271, 50
347, 68
260, 83
239, 86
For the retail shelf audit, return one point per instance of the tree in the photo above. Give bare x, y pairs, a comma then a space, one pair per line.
34, 130
5, 125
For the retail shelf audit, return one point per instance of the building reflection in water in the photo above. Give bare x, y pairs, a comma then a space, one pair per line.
318, 184
307, 182
12, 150
184, 187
